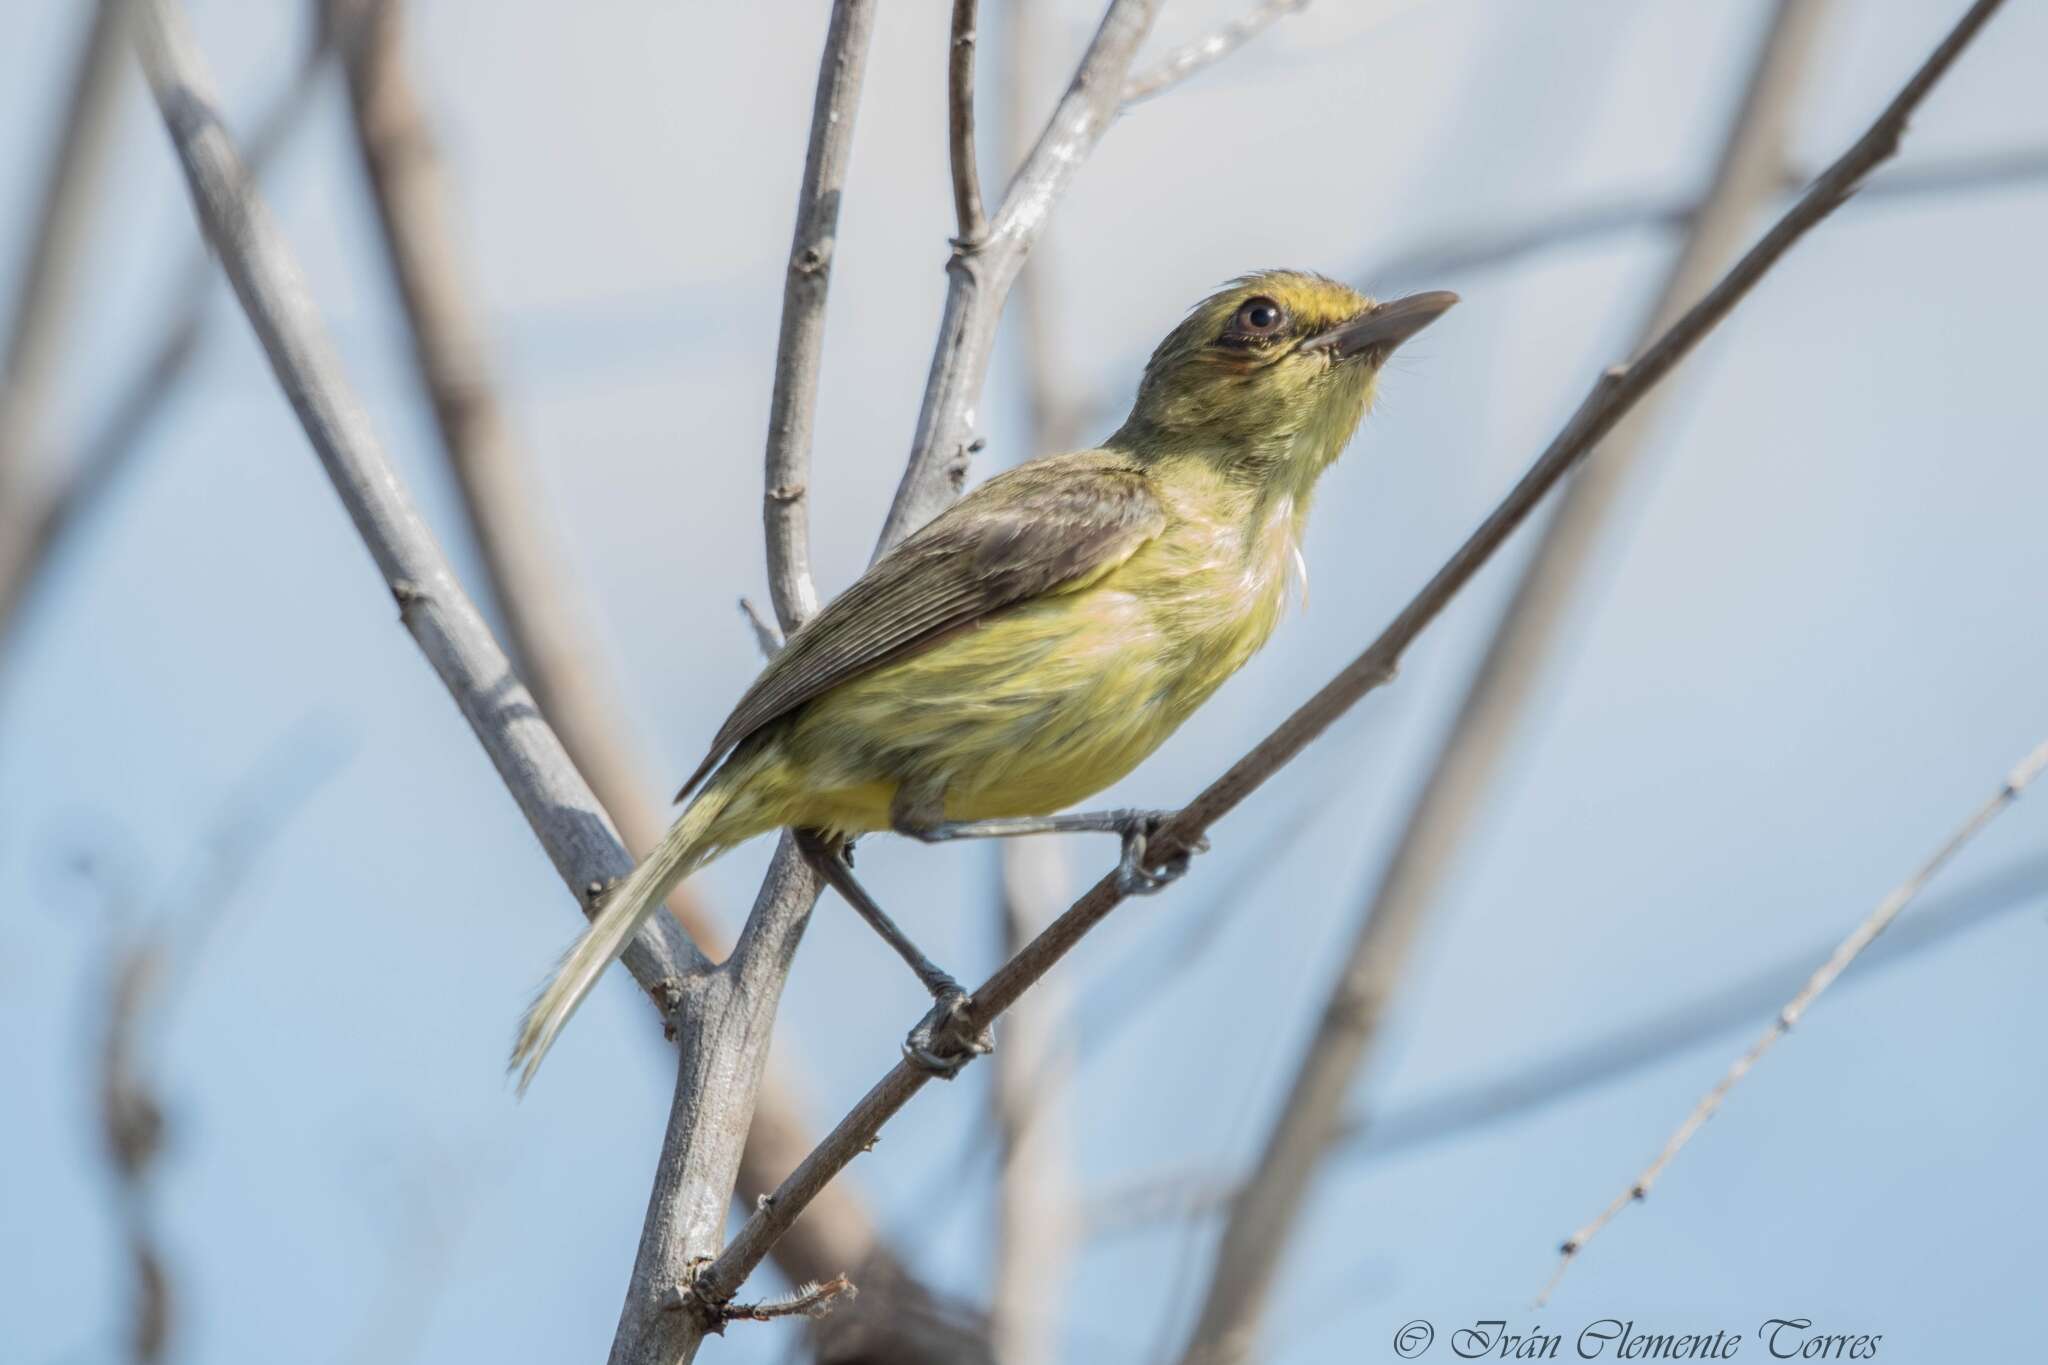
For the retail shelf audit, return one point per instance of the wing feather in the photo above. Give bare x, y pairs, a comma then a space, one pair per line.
1033, 530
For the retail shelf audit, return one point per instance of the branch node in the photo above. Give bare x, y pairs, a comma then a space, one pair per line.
812, 260
409, 595
786, 493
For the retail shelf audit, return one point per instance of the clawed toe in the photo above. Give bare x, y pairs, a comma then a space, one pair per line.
941, 1043
1134, 876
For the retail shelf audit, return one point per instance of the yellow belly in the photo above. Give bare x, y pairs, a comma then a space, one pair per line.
1043, 704
1029, 712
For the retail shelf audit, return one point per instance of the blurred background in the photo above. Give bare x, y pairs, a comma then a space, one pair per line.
1812, 638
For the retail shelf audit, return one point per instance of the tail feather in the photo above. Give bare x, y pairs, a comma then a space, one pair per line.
687, 846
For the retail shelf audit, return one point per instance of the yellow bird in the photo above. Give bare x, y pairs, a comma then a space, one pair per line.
1034, 642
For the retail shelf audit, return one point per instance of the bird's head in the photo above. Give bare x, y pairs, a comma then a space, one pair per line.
1274, 371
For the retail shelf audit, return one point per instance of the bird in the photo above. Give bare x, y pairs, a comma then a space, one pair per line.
1034, 642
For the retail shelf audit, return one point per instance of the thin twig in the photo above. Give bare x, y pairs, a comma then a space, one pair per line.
978, 280
812, 1300
44, 282
1617, 391
54, 508
1446, 256
793, 403
1390, 918
536, 770
1029, 1101
967, 211
1795, 1009
1209, 49
1535, 1084
148, 965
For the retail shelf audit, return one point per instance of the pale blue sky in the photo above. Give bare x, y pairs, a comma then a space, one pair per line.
1815, 641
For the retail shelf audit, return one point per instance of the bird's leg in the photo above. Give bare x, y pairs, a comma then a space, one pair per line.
940, 1043
1134, 877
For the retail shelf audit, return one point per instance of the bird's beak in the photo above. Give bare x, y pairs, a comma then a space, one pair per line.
1384, 326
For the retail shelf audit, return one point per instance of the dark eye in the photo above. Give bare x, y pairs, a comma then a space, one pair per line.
1260, 317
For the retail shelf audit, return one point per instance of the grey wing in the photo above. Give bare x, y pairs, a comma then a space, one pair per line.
1021, 534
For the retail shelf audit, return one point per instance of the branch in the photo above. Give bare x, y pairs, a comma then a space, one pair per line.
793, 405
811, 1300
1438, 256
1390, 921
553, 796
979, 276
967, 210
1035, 1205
148, 965
1617, 391
44, 283
1031, 1097
53, 510
1795, 1009
1209, 49
716, 1084
1536, 1084
522, 559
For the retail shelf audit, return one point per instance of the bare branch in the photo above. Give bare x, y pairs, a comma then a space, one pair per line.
1617, 391
148, 965
1035, 1206
1795, 1009
1032, 1091
979, 279
1534, 1084
792, 407
44, 282
520, 556
522, 559
1441, 256
967, 210
557, 803
53, 508
1390, 921
1547, 1081
1209, 49
724, 1056
812, 1300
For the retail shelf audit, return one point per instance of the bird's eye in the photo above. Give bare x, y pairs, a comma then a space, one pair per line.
1260, 317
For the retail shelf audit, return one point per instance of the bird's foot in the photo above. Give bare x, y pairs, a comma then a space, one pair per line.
942, 1042
1135, 876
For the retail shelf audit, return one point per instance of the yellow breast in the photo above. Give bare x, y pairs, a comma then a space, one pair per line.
1046, 703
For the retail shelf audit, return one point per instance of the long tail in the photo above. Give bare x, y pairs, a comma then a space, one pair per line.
689, 844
